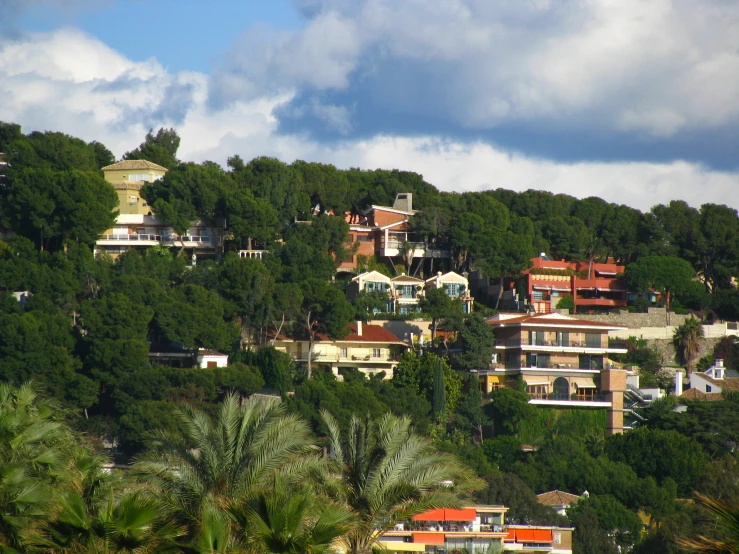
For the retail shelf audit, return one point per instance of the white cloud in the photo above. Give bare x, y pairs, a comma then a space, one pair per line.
656, 68
100, 95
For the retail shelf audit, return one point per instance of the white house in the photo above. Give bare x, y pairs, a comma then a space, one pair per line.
715, 379
211, 359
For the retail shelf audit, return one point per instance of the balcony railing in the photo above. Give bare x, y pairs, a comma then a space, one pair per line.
159, 238
595, 397
545, 342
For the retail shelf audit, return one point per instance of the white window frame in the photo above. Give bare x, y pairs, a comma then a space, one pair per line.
377, 352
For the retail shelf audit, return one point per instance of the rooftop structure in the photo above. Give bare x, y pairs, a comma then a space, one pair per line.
717, 379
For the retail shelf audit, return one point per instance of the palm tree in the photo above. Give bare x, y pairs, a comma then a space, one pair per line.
34, 460
133, 524
387, 474
231, 458
687, 340
293, 522
726, 519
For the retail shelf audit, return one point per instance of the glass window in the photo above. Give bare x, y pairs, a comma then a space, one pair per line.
376, 352
592, 340
343, 353
538, 295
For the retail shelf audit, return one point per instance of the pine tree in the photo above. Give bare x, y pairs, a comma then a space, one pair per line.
439, 391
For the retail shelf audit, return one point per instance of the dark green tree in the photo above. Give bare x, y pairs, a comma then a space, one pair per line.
160, 149
439, 404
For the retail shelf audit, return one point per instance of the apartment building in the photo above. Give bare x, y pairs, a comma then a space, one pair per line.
593, 287
404, 293
369, 349
563, 361
475, 530
137, 227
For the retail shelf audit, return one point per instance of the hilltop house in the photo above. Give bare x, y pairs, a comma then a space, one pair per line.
137, 227
386, 232
563, 361
404, 292
369, 349
715, 380
558, 500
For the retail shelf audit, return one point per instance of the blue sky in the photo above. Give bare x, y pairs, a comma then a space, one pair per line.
632, 101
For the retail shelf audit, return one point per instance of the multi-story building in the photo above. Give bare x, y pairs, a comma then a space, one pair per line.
386, 232
404, 292
366, 348
137, 227
474, 528
563, 361
593, 287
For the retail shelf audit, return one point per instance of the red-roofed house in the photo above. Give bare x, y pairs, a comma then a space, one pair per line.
366, 348
563, 360
559, 500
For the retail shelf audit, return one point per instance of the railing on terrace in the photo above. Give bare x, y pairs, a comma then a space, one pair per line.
450, 527
569, 398
158, 238
544, 342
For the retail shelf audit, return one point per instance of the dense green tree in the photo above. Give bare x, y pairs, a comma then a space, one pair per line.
508, 408
623, 525
239, 378
418, 373
686, 339
660, 454
160, 149
662, 274
477, 341
437, 304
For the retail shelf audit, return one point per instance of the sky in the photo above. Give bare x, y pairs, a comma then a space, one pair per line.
636, 102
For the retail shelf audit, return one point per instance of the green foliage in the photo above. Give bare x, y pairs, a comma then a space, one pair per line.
477, 341
686, 339
566, 303
523, 508
160, 149
418, 373
508, 409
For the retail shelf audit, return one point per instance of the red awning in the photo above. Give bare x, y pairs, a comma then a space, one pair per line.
468, 514
447, 514
511, 536
533, 535
432, 515
429, 538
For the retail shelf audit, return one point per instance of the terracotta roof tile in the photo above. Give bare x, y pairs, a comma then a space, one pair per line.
695, 394
133, 164
557, 498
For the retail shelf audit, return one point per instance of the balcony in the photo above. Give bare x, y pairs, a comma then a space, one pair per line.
545, 345
392, 248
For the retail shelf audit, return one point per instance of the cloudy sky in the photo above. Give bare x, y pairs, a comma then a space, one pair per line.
631, 100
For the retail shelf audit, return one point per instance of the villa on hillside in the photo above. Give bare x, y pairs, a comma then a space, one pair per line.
404, 293
712, 383
386, 232
369, 349
137, 227
563, 361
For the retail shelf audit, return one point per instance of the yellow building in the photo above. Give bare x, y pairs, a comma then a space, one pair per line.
137, 226
369, 349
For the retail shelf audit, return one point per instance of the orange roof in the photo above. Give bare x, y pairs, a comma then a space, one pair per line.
429, 538
557, 498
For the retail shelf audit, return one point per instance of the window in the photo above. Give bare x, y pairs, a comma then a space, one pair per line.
376, 352
592, 340
343, 353
494, 386
374, 286
454, 290
538, 295
406, 291
364, 238
557, 537
132, 200
537, 391
708, 388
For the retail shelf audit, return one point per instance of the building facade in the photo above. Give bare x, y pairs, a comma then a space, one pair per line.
404, 293
474, 528
593, 287
562, 360
369, 349
715, 380
137, 227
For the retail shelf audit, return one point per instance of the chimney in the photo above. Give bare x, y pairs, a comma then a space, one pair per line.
359, 328
678, 383
403, 202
